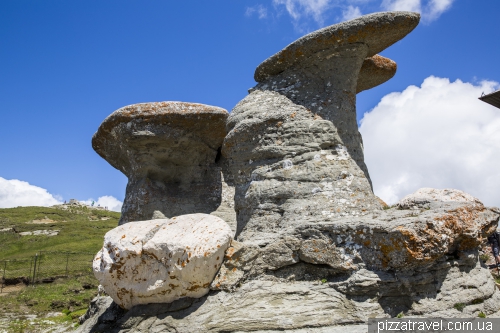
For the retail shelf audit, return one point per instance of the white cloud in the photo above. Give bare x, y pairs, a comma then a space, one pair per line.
435, 8
15, 193
320, 10
298, 9
429, 9
259, 10
351, 12
437, 135
106, 201
408, 5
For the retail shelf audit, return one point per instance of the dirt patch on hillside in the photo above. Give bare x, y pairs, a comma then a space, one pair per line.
12, 288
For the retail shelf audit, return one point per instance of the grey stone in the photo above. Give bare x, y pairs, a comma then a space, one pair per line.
389, 240
101, 311
168, 151
404, 268
226, 208
293, 147
377, 31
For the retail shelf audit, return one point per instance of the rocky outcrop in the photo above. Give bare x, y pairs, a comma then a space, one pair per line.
315, 248
159, 261
168, 151
293, 148
392, 240
341, 271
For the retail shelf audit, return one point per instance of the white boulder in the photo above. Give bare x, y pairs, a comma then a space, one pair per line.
159, 261
426, 195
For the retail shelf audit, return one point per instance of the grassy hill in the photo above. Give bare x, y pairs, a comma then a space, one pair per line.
81, 229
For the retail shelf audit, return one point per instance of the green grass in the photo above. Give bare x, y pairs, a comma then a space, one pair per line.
82, 231
69, 297
65, 294
459, 306
69, 253
484, 257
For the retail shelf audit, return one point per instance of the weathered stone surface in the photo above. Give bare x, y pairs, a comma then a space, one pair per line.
293, 147
159, 261
389, 240
378, 31
226, 209
168, 151
424, 196
407, 266
102, 310
375, 71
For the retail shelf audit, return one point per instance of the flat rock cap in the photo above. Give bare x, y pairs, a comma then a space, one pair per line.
204, 121
378, 31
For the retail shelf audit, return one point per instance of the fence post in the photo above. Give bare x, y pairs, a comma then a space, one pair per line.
29, 275
67, 259
3, 280
39, 264
34, 269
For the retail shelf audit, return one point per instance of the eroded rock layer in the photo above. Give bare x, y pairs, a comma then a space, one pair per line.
420, 262
287, 162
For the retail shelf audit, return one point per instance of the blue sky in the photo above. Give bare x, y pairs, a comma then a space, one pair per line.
66, 65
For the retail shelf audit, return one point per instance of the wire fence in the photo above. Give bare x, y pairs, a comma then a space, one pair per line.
45, 267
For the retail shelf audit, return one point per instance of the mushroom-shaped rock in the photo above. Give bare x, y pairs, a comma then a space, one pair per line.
159, 261
168, 152
377, 31
293, 148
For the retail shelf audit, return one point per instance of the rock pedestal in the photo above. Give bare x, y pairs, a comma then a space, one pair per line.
168, 151
293, 148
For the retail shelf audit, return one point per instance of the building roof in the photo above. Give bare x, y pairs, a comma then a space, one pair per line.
493, 98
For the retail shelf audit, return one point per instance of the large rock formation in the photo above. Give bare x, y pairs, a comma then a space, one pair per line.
315, 249
168, 151
293, 148
160, 261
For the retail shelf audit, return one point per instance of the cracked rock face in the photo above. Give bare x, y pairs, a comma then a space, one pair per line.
293, 148
168, 151
394, 240
159, 261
